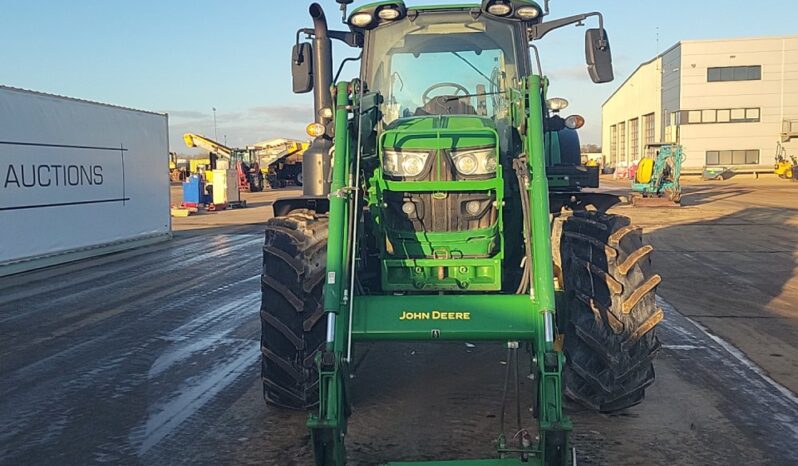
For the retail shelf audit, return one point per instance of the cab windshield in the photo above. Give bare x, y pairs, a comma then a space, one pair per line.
442, 63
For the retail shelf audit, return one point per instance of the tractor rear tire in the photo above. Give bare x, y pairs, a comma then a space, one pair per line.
292, 324
611, 312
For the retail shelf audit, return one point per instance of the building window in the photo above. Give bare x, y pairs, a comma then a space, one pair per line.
613, 144
622, 141
634, 138
732, 157
734, 73
726, 115
648, 136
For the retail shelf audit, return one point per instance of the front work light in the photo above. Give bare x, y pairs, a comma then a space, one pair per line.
527, 13
557, 103
361, 20
388, 14
499, 8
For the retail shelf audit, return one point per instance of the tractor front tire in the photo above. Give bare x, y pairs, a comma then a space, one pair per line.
292, 323
611, 311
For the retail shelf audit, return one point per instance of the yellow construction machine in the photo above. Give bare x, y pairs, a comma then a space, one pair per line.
786, 166
250, 178
278, 160
178, 168
281, 160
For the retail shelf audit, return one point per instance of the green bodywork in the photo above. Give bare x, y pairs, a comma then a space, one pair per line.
413, 260
474, 316
439, 285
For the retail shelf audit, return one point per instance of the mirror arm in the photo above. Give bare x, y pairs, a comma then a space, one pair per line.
352, 39
538, 31
309, 33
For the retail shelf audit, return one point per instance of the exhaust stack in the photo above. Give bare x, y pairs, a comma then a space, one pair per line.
322, 61
316, 160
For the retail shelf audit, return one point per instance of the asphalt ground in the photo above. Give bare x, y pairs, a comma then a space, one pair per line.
150, 356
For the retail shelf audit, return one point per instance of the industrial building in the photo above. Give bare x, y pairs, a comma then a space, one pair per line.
730, 103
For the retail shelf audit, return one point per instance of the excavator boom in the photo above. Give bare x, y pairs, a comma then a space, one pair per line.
199, 141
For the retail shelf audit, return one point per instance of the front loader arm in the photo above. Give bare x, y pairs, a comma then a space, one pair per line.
328, 425
554, 426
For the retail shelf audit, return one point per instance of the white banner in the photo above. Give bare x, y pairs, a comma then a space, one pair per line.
76, 174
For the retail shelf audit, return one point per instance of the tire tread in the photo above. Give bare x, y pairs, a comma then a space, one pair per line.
292, 324
612, 315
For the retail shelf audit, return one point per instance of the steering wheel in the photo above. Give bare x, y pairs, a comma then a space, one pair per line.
458, 87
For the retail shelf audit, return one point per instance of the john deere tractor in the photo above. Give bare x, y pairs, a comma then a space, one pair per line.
443, 200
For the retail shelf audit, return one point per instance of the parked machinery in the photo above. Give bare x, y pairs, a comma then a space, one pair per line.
281, 159
656, 180
441, 202
250, 177
786, 166
178, 168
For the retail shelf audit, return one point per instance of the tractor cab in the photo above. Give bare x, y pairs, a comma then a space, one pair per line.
445, 77
444, 63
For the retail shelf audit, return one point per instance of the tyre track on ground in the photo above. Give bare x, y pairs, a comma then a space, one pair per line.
65, 403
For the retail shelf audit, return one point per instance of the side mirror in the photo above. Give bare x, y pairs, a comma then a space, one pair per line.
302, 68
598, 56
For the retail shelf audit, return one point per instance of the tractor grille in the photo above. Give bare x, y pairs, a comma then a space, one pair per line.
439, 212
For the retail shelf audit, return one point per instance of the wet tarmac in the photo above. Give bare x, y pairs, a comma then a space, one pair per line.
151, 357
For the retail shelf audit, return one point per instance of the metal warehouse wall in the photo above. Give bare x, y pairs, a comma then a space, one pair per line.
676, 83
637, 97
78, 178
775, 95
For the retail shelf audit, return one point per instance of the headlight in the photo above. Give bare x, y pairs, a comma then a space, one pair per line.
475, 162
404, 164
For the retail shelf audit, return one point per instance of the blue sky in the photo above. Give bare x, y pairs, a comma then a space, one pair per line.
186, 57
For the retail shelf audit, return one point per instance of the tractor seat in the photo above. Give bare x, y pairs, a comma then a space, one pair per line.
447, 105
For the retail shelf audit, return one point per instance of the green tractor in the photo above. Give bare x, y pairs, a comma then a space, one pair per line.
443, 202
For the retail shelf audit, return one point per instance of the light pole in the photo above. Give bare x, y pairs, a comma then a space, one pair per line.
215, 134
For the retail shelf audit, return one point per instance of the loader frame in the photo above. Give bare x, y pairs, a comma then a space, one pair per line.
521, 319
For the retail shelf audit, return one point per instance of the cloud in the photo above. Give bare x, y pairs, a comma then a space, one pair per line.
567, 73
287, 113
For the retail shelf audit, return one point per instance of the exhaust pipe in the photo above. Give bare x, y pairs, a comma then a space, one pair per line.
316, 160
322, 62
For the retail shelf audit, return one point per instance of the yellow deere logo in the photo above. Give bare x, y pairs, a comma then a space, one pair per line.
435, 315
